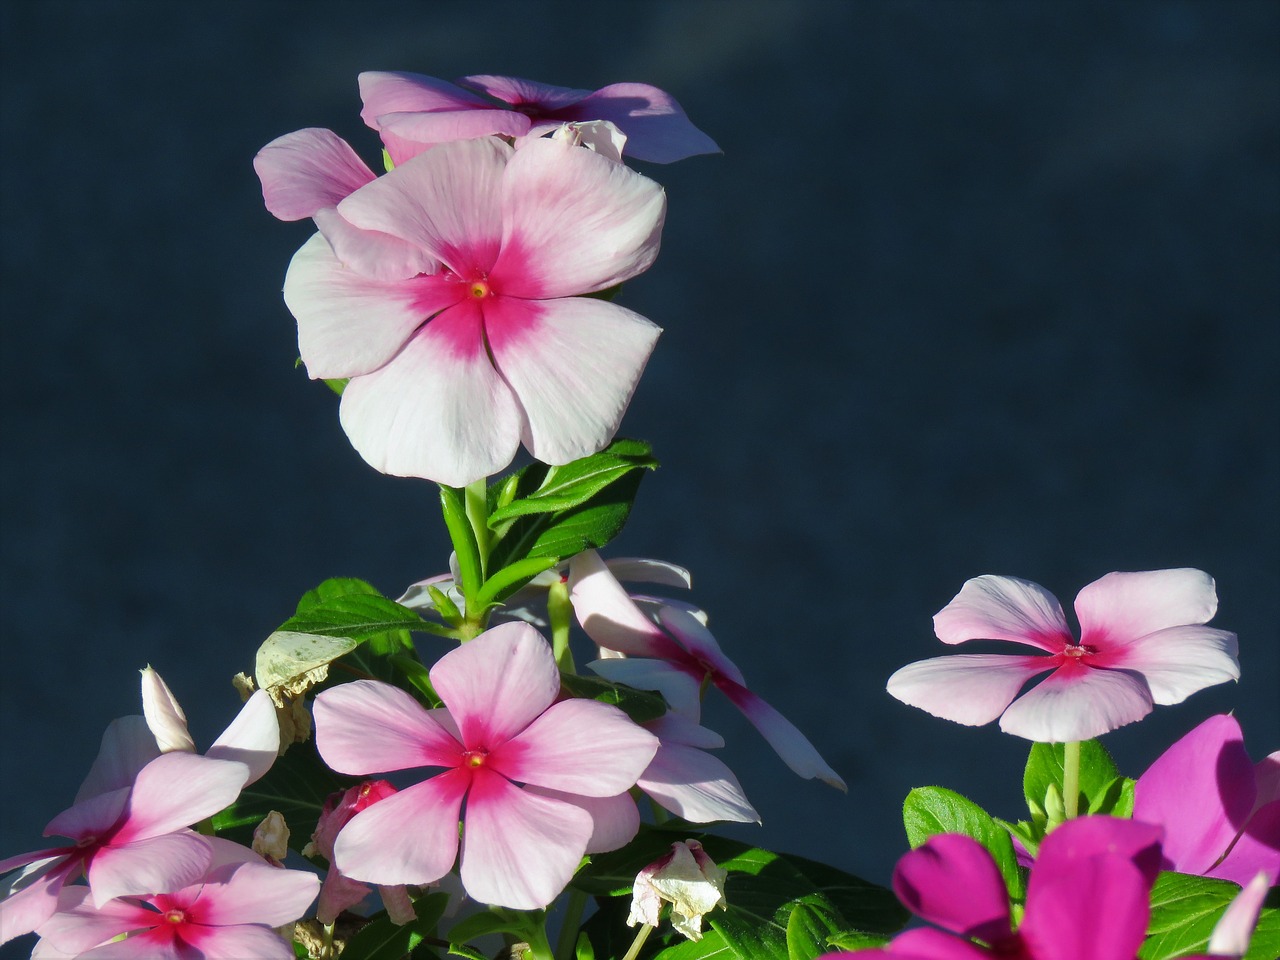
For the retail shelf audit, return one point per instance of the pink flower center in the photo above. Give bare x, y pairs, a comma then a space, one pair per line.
475, 758
480, 289
1077, 652
174, 916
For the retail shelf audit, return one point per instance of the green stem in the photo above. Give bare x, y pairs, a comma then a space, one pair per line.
1071, 778
539, 945
636, 944
568, 939
560, 613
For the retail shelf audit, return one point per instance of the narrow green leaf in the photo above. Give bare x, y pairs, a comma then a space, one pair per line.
1115, 799
418, 676
489, 921
465, 548
928, 811
511, 578
458, 950
573, 484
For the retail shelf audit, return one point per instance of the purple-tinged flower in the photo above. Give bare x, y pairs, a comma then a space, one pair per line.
676, 655
229, 911
412, 113
452, 368
501, 727
1143, 641
687, 879
1220, 812
1086, 897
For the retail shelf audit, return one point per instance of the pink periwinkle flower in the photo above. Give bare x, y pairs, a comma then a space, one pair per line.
1220, 812
675, 654
412, 112
526, 765
483, 342
1143, 641
229, 911
1087, 897
340, 892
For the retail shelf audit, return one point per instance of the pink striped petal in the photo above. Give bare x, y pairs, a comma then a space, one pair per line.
696, 786
497, 684
681, 689
307, 170
1004, 608
1179, 661
128, 745
614, 820
787, 741
578, 746
519, 849
349, 324
697, 639
384, 92
1093, 909
408, 837
1076, 702
1122, 607
237, 943
176, 790
253, 738
573, 364
444, 201
574, 222
972, 688
78, 925
367, 726
657, 128
439, 410
951, 880
609, 616
155, 865
256, 893
371, 254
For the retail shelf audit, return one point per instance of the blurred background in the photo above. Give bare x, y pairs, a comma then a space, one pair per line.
976, 287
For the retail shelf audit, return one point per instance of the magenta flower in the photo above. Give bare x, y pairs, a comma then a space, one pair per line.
1143, 641
452, 368
412, 112
229, 911
676, 655
1220, 812
501, 728
1086, 897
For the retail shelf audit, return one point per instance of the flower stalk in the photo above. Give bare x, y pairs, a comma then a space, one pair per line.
1071, 778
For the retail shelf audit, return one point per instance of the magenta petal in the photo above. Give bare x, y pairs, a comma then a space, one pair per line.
790, 744
574, 222
609, 616
1125, 606
1093, 909
952, 881
367, 726
253, 738
438, 410
927, 944
614, 820
1257, 849
1085, 837
408, 837
258, 893
497, 684
1178, 661
578, 746
1077, 703
156, 865
696, 786
519, 849
1201, 790
537, 98
128, 745
306, 170
968, 688
657, 128
1004, 608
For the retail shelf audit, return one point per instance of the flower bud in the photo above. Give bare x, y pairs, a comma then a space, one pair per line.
686, 878
164, 716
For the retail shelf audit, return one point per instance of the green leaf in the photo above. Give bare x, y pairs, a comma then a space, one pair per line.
639, 705
453, 504
1184, 910
573, 484
710, 947
1115, 799
582, 949
928, 811
1044, 769
359, 616
489, 921
458, 950
384, 940
296, 785
511, 578
810, 927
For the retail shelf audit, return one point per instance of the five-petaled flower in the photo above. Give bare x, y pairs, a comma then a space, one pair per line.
1143, 641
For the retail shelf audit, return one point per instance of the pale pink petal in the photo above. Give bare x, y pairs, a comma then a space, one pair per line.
253, 738
788, 742
22, 911
128, 745
951, 880
657, 128
444, 126
614, 820
371, 254
176, 790
1004, 608
439, 410
156, 865
1201, 790
384, 92
609, 616
408, 837
33, 861
573, 222
90, 818
1122, 607
1257, 849
697, 639
44, 950
1084, 837
257, 893
339, 892
673, 728
307, 170
153, 944
681, 689
537, 98
970, 688
696, 786
349, 324
573, 364
78, 925
1077, 703
444, 201
519, 849
650, 571
164, 714
578, 746
1178, 661
1234, 929
239, 942
367, 726
497, 684
1095, 908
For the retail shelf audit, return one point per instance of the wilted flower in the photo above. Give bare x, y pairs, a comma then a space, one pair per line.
687, 879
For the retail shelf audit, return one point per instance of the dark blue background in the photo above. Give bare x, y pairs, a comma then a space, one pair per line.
975, 288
